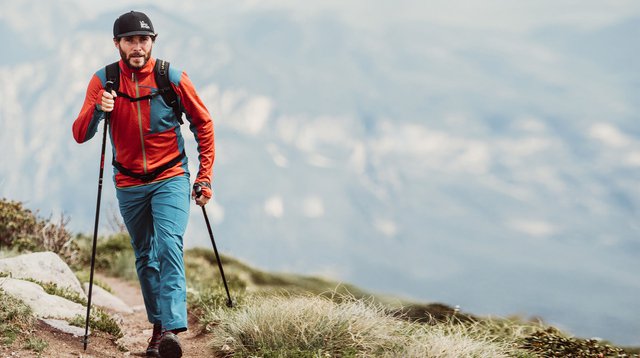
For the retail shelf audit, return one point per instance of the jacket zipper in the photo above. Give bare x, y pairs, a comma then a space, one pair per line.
144, 154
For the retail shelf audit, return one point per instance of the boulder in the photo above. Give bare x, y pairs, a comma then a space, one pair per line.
44, 267
42, 304
64, 326
102, 298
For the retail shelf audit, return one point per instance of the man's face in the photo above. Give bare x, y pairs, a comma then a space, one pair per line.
135, 50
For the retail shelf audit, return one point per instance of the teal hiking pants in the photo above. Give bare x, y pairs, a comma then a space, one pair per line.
156, 217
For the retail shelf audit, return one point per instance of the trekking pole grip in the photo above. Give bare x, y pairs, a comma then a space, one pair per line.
108, 87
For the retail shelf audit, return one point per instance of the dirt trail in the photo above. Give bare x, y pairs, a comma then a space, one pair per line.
135, 327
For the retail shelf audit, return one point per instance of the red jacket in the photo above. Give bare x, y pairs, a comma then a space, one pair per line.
145, 134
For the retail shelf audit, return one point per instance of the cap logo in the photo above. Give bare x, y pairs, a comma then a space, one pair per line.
144, 25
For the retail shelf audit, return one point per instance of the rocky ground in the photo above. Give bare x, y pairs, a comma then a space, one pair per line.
135, 327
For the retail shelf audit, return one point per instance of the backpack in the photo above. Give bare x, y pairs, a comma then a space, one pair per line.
161, 74
169, 96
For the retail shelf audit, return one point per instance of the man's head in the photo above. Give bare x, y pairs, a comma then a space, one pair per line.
133, 36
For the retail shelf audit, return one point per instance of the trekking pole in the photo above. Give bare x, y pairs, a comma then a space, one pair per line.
107, 116
198, 191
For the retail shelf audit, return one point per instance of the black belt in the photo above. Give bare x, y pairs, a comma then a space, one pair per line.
151, 175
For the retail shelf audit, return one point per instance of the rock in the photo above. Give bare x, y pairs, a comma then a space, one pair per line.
43, 304
42, 266
139, 308
64, 326
102, 298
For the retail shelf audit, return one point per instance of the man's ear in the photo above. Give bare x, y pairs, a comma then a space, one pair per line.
116, 43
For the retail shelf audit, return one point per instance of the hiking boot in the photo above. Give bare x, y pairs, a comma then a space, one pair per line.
170, 346
154, 341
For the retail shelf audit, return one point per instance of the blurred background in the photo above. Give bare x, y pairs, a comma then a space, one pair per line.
480, 154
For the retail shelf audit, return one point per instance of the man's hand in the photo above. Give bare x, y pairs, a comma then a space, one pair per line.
202, 200
200, 192
108, 99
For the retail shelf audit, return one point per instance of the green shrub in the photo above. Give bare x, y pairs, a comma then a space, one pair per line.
202, 272
205, 289
22, 230
114, 255
17, 226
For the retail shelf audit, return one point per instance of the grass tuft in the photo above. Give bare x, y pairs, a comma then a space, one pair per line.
100, 321
64, 292
16, 318
36, 344
315, 326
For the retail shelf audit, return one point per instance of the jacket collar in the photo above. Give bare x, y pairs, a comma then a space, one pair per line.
140, 73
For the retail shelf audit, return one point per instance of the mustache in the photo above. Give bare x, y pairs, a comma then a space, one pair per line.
129, 58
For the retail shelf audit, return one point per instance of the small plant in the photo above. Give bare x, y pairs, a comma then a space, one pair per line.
15, 318
36, 344
100, 321
64, 292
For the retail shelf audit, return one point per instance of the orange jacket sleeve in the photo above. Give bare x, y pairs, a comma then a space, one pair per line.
201, 125
86, 125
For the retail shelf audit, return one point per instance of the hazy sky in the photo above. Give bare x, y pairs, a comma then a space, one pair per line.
503, 15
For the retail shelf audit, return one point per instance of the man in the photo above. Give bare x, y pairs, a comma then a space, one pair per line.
150, 169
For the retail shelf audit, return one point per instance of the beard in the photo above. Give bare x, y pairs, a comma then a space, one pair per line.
128, 59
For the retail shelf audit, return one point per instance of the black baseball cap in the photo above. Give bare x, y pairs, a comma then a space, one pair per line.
132, 23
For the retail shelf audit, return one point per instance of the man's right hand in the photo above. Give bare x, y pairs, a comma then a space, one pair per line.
108, 99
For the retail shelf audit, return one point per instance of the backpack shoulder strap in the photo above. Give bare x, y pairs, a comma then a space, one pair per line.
113, 74
161, 72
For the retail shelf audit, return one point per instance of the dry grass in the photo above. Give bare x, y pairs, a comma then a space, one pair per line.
314, 326
16, 319
446, 340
